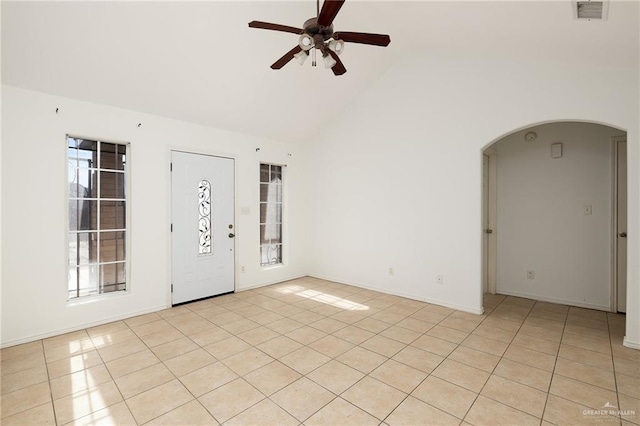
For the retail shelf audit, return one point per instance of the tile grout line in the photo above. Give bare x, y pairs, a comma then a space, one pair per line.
46, 365
615, 378
555, 363
501, 357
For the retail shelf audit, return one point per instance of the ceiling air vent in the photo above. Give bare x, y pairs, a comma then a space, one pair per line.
591, 10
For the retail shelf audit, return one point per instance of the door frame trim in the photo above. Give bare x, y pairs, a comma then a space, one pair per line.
614, 221
492, 254
198, 151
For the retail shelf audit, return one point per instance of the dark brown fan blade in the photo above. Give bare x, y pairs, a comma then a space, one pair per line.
275, 27
363, 38
338, 68
330, 9
286, 58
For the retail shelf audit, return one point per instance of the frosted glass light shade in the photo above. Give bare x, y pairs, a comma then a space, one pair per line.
337, 46
305, 42
301, 56
329, 62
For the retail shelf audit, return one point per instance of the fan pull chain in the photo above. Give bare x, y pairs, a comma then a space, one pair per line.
313, 58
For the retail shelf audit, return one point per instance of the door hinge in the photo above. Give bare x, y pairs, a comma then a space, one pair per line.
171, 288
170, 167
172, 227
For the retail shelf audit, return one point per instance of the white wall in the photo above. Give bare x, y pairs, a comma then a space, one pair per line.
397, 182
541, 224
34, 206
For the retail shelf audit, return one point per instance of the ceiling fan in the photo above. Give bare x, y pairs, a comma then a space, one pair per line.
317, 33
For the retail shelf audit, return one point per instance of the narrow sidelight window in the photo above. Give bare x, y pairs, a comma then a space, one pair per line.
97, 217
270, 214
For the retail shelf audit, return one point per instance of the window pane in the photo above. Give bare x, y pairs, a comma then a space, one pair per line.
112, 215
108, 156
73, 179
111, 185
72, 142
264, 191
121, 274
264, 173
82, 183
263, 212
83, 248
264, 239
270, 254
276, 174
276, 233
83, 280
73, 215
270, 192
122, 157
87, 215
72, 156
275, 192
271, 233
109, 278
112, 246
87, 153
82, 215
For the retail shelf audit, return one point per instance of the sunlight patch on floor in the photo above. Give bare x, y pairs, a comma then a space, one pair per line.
319, 296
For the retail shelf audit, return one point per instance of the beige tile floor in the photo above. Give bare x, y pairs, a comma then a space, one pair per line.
314, 352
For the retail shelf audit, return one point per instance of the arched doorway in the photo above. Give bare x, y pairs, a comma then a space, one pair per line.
554, 215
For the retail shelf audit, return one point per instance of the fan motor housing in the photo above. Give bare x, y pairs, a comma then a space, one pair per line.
312, 28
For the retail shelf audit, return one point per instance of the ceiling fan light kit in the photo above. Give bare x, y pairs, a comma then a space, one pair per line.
317, 33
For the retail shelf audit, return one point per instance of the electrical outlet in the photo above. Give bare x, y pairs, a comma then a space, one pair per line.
531, 275
391, 270
439, 279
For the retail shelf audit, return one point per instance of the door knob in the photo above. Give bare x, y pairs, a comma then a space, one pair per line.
622, 235
489, 231
231, 235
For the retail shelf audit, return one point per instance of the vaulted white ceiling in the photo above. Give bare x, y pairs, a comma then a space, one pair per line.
199, 61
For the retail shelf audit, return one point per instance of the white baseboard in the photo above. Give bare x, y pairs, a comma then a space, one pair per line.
33, 338
118, 318
252, 287
554, 300
408, 296
629, 344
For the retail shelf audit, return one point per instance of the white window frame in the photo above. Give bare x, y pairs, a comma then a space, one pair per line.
126, 229
281, 260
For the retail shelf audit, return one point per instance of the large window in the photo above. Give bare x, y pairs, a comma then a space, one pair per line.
97, 217
270, 214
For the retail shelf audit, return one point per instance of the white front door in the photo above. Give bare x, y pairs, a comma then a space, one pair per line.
202, 210
621, 234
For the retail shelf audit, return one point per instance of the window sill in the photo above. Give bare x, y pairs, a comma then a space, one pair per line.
270, 267
96, 298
